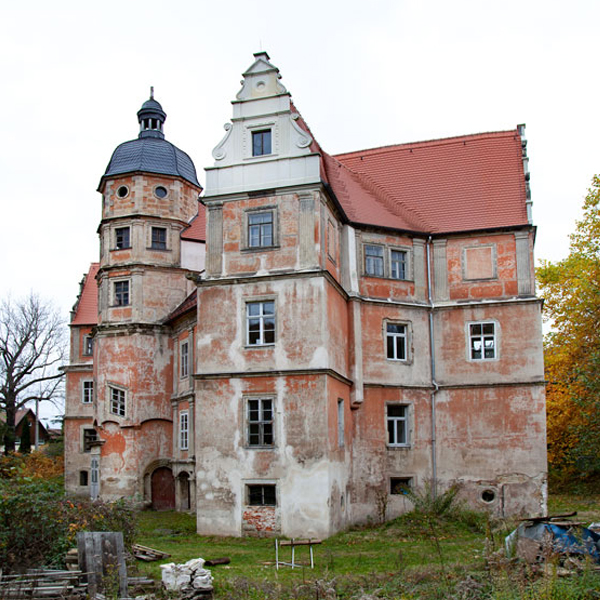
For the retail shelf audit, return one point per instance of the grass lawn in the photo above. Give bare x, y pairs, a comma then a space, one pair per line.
411, 557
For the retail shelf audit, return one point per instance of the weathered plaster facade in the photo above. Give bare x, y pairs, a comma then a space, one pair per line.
333, 337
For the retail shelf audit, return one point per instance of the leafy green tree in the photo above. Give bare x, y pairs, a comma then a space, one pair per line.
571, 289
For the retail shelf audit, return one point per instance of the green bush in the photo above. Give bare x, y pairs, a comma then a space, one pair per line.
38, 524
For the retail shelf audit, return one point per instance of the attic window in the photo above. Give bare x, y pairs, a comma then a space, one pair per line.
261, 142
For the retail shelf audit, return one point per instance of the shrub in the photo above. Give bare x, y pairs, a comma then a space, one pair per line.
38, 524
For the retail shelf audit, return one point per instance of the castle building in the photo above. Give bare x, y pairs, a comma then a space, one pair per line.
289, 350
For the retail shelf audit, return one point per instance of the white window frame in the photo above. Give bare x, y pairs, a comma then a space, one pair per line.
261, 318
184, 430
87, 391
263, 425
117, 398
399, 423
184, 359
248, 214
482, 337
405, 263
396, 336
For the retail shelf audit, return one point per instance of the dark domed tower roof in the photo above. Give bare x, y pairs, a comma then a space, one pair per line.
151, 153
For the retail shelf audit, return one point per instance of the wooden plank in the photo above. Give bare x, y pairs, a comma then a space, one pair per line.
299, 542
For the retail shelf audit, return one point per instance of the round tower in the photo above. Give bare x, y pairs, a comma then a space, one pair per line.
149, 195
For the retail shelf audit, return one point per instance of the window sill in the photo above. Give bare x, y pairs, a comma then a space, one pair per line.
248, 447
253, 346
387, 278
158, 249
399, 447
119, 249
259, 249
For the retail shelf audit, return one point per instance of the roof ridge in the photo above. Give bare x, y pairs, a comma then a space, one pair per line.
432, 143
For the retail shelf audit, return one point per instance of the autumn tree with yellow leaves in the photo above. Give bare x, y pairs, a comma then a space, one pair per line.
571, 290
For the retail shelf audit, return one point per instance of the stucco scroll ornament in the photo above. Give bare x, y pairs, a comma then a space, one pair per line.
304, 140
219, 152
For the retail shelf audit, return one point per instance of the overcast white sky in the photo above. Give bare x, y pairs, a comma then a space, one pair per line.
73, 75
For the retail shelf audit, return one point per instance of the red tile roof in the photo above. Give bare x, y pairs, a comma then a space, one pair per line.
188, 304
464, 183
86, 308
196, 231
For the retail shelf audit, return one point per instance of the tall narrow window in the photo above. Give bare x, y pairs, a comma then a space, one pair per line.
184, 362
396, 341
397, 424
260, 422
184, 430
340, 423
87, 396
482, 341
260, 323
260, 229
373, 260
261, 142
121, 293
122, 238
88, 345
117, 401
159, 238
398, 264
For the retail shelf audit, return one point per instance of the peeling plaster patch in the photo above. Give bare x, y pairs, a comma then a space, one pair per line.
320, 358
205, 340
262, 270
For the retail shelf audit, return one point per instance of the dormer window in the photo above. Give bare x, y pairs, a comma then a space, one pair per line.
261, 142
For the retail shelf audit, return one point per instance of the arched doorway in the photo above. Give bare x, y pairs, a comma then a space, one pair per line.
163, 489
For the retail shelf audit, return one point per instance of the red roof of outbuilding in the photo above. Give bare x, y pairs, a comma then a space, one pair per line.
188, 304
441, 186
196, 231
86, 309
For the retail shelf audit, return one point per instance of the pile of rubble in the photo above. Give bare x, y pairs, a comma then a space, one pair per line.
190, 580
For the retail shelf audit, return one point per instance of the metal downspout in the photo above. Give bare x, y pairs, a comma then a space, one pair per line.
433, 381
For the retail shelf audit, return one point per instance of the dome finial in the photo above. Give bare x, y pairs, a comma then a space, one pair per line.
151, 118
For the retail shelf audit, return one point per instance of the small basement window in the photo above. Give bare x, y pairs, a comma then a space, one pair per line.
400, 485
488, 496
83, 478
262, 495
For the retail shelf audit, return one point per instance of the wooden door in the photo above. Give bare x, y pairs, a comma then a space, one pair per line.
163, 489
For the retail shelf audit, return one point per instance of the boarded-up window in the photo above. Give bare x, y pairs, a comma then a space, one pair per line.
479, 262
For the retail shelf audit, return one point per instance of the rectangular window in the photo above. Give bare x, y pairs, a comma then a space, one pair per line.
159, 238
87, 396
340, 407
117, 401
262, 495
260, 229
88, 345
184, 359
261, 142
260, 422
398, 260
397, 424
373, 260
83, 478
121, 293
396, 341
400, 485
482, 341
89, 436
260, 323
183, 430
122, 238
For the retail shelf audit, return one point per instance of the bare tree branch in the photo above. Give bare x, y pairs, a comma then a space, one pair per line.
32, 347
